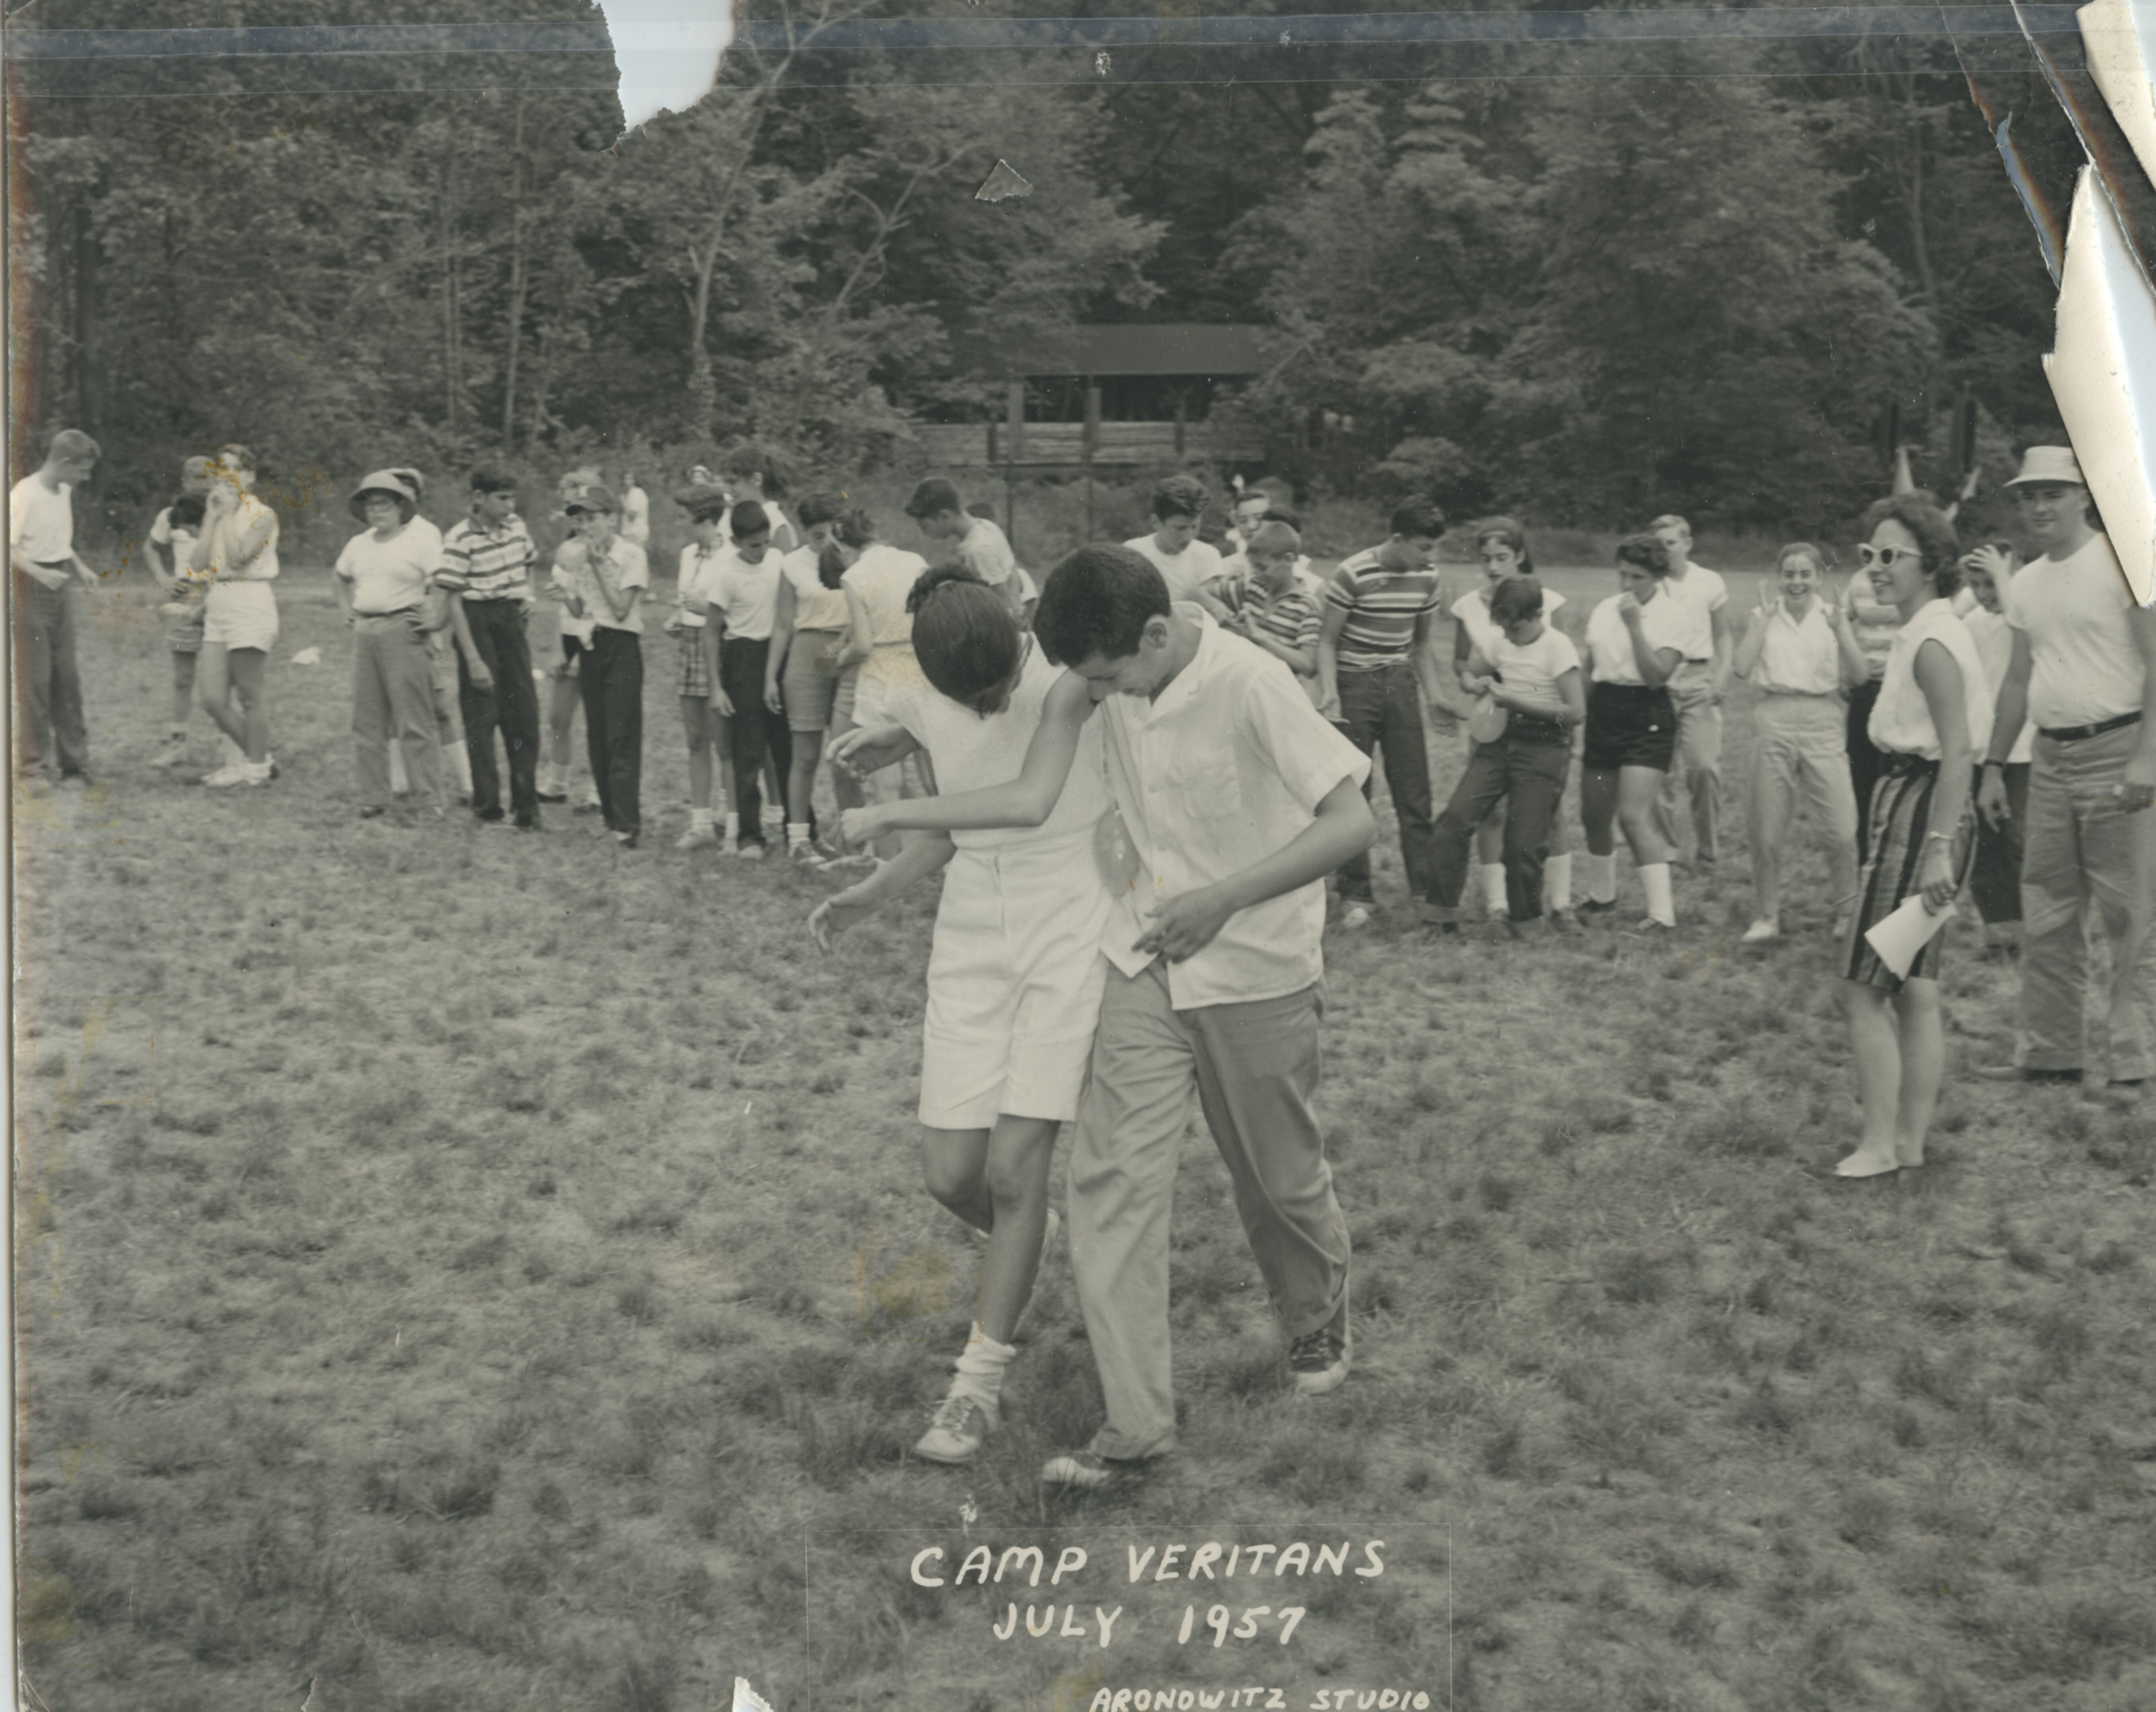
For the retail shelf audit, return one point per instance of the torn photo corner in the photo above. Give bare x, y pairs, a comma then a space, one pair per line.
2102, 370
668, 53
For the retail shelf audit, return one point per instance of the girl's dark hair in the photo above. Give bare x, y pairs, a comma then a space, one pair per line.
856, 529
187, 511
1515, 599
1509, 531
754, 460
749, 518
830, 565
1647, 552
821, 507
1098, 601
964, 636
1937, 544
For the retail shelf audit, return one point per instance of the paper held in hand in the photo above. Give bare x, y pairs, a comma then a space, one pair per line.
1912, 927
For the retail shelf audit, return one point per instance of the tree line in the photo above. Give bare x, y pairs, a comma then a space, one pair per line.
1692, 275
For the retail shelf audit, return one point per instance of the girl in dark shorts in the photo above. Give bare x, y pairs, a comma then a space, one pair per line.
1932, 716
1635, 640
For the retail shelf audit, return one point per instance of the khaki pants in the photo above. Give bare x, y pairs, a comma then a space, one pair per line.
393, 700
1797, 748
1255, 1068
2084, 856
1699, 754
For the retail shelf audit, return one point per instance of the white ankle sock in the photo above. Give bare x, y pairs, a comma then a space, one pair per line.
700, 818
1601, 876
1557, 882
797, 832
1661, 905
1493, 887
981, 1369
733, 825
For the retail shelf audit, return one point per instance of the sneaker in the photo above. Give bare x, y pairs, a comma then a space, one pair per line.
173, 754
627, 840
1761, 931
803, 851
257, 774
1318, 1361
1357, 915
545, 794
226, 776
1647, 926
1596, 906
957, 1432
1562, 921
1086, 1471
697, 838
530, 823
748, 850
590, 805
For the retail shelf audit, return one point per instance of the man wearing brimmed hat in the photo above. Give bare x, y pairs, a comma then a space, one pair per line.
2084, 671
382, 579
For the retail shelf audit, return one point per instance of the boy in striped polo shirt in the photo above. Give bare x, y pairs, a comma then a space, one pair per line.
486, 571
1270, 601
1375, 652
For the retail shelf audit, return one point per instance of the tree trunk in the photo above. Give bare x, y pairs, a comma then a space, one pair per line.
85, 314
514, 341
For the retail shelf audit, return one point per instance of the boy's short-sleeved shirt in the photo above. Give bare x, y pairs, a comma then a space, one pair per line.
1471, 612
478, 563
179, 541
2084, 668
1186, 572
1705, 590
1382, 607
1226, 766
745, 596
986, 551
1293, 618
1533, 669
574, 574
41, 528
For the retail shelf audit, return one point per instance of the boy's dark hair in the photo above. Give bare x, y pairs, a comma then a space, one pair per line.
186, 511
1647, 552
707, 506
749, 518
933, 495
1282, 514
856, 529
982, 508
830, 565
821, 507
1098, 601
1937, 544
753, 460
1178, 497
1515, 599
491, 478
964, 636
1418, 517
1273, 535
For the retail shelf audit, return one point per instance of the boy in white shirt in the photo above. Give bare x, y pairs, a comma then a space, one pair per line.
977, 542
52, 738
739, 596
1696, 691
1186, 564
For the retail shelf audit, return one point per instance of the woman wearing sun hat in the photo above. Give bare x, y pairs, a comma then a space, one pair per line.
382, 580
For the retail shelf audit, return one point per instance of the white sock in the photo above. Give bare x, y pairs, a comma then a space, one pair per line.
797, 832
1493, 887
399, 781
733, 826
700, 820
1557, 882
981, 1369
458, 760
1601, 878
1662, 906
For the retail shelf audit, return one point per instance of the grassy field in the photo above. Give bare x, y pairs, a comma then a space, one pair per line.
459, 1270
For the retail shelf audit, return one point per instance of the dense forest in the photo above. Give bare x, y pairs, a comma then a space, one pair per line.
1589, 280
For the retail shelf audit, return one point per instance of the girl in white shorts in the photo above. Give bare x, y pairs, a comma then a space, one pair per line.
1014, 975
236, 555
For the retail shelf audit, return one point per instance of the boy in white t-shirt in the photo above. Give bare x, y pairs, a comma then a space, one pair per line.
50, 730
1696, 690
1531, 670
1186, 564
976, 541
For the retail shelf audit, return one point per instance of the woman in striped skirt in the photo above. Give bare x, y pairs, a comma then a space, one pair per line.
1932, 715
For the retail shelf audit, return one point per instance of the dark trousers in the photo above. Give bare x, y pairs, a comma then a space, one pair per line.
1995, 881
1525, 770
510, 702
49, 720
1382, 710
611, 679
757, 731
1864, 762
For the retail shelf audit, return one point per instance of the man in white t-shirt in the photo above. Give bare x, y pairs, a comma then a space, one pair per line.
2084, 669
977, 542
52, 742
1696, 689
1186, 564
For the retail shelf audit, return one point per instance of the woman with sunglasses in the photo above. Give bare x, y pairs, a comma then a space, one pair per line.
1931, 718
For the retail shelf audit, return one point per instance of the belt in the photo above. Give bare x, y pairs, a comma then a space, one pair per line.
2074, 733
55, 564
400, 612
1897, 762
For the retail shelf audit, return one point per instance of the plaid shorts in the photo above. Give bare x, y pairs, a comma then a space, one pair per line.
184, 635
694, 676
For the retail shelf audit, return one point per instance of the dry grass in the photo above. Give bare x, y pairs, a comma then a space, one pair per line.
480, 1272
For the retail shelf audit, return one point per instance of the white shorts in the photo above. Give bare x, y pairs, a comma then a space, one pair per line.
240, 615
1014, 980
